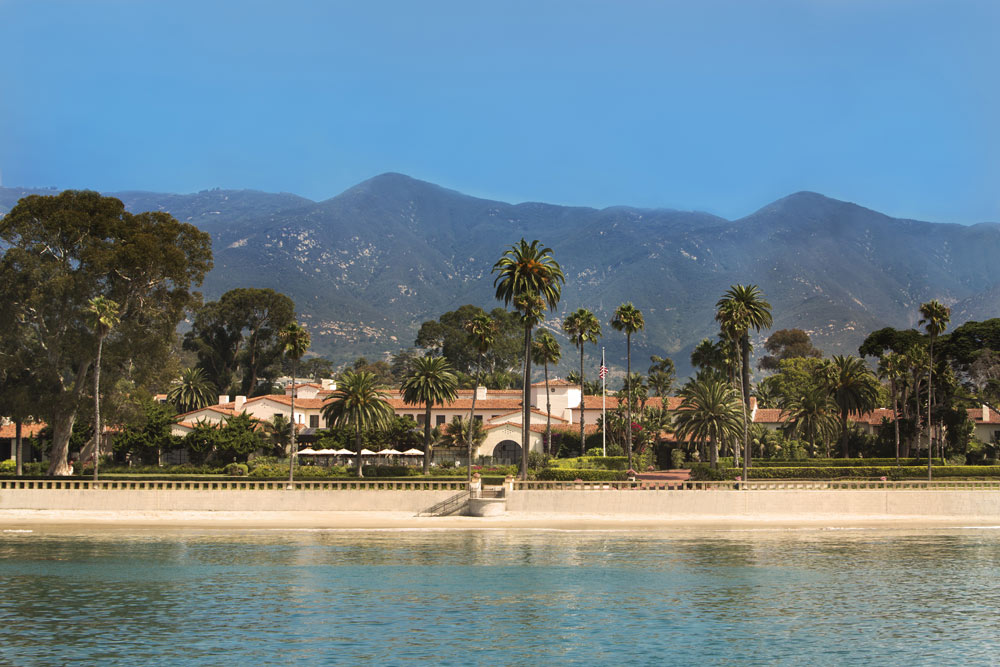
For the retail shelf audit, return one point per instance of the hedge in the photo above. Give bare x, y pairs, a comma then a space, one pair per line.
836, 463
587, 475
586, 462
703, 472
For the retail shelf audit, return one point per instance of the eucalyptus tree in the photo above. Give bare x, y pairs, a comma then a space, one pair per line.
709, 413
854, 389
430, 380
60, 252
582, 327
526, 275
934, 317
359, 404
103, 314
482, 331
890, 367
812, 413
191, 391
628, 318
545, 350
295, 341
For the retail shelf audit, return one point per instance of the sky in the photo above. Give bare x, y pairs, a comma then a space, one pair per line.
717, 105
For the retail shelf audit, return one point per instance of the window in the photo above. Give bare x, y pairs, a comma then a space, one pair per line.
440, 420
479, 418
313, 421
421, 419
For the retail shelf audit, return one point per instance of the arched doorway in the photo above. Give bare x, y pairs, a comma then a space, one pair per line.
507, 452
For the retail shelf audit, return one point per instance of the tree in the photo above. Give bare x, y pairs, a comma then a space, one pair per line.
237, 338
66, 249
890, 367
431, 380
545, 350
740, 309
661, 375
896, 340
582, 327
191, 391
709, 413
447, 336
482, 331
813, 413
461, 431
854, 389
279, 433
709, 356
381, 369
527, 274
357, 403
295, 341
103, 316
787, 344
629, 319
148, 435
934, 317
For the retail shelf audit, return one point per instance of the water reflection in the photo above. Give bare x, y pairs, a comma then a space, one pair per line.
498, 596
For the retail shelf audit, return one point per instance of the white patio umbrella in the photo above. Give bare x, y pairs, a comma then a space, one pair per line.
308, 451
413, 452
367, 452
389, 452
326, 452
344, 452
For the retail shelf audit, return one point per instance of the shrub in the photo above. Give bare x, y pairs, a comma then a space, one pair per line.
852, 472
587, 475
676, 458
704, 472
237, 470
8, 467
537, 460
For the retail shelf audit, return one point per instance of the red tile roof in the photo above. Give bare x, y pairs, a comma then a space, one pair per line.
27, 430
594, 402
535, 411
556, 382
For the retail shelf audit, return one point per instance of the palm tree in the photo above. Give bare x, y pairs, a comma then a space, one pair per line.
430, 380
462, 431
482, 330
545, 350
582, 327
740, 309
890, 367
813, 413
103, 314
279, 431
191, 391
854, 389
708, 356
526, 275
629, 319
709, 412
661, 375
296, 341
934, 316
358, 403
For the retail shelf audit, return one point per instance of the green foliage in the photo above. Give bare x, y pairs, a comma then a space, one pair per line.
586, 475
450, 337
676, 459
596, 462
787, 344
8, 467
237, 470
864, 472
143, 440
537, 460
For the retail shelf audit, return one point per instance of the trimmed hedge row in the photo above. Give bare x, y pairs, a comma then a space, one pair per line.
836, 463
703, 472
598, 462
587, 475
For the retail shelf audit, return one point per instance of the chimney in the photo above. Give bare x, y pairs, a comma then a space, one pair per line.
480, 393
240, 401
329, 384
986, 414
223, 399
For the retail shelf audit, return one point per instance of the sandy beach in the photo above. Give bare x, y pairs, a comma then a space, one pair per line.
52, 519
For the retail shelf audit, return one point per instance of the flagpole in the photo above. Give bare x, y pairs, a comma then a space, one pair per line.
604, 409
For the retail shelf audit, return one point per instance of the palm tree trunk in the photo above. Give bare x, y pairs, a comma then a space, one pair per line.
583, 443
895, 415
547, 450
628, 396
930, 399
472, 416
427, 439
526, 400
745, 388
97, 407
843, 434
18, 447
357, 443
293, 452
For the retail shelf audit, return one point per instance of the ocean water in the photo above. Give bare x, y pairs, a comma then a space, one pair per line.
523, 597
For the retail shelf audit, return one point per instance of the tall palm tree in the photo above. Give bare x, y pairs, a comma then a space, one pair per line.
430, 380
854, 389
915, 359
461, 431
661, 375
482, 330
743, 307
890, 367
708, 356
295, 341
545, 350
708, 413
813, 413
629, 319
934, 317
357, 403
582, 327
191, 391
527, 274
103, 315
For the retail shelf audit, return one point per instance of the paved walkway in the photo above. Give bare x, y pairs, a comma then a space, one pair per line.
665, 476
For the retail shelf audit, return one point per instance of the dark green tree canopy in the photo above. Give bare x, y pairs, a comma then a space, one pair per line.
897, 340
237, 338
787, 344
447, 336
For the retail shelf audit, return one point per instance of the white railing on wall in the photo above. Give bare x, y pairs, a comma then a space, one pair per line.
758, 485
226, 485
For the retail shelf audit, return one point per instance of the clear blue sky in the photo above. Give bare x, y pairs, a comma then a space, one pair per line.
715, 105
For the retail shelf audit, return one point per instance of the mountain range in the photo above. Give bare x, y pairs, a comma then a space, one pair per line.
366, 267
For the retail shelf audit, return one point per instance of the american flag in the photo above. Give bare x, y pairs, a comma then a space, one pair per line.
603, 372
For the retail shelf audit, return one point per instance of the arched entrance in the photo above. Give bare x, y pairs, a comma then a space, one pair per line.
507, 452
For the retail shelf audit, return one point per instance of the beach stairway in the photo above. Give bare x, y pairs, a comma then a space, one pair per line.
452, 505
